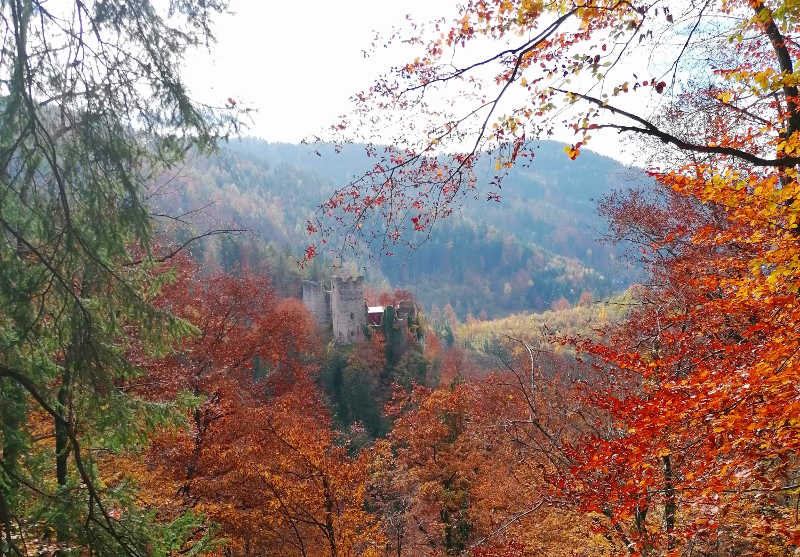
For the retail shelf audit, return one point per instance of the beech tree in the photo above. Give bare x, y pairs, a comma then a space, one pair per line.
258, 455
477, 467
700, 387
91, 107
694, 448
710, 79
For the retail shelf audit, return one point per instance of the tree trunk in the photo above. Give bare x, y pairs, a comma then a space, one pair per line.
330, 532
62, 440
670, 505
631, 547
640, 520
62, 450
784, 59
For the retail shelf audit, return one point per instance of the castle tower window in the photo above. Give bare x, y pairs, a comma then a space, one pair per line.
352, 316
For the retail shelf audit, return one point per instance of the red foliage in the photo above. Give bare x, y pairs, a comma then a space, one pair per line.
257, 453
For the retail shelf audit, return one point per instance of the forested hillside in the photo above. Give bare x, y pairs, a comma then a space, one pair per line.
164, 392
538, 245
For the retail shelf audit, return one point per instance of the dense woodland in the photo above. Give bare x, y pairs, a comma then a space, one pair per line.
526, 391
543, 242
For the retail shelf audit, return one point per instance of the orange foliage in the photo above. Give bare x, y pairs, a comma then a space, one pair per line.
690, 434
257, 455
464, 469
705, 431
433, 347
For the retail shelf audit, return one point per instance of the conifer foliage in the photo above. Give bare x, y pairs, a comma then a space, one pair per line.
150, 407
90, 107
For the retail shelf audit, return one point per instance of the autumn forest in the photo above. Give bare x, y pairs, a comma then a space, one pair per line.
536, 292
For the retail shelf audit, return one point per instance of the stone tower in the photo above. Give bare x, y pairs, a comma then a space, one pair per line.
348, 310
342, 306
317, 300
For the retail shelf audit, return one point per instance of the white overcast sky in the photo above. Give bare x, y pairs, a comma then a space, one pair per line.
297, 63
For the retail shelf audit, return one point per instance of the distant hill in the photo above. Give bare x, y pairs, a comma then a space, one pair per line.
535, 247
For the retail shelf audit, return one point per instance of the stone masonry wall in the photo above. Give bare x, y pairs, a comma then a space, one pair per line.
317, 301
348, 310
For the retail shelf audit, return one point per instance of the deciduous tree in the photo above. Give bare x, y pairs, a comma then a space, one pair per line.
698, 421
258, 455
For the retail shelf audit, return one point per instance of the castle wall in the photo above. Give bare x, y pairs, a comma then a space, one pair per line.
348, 310
317, 301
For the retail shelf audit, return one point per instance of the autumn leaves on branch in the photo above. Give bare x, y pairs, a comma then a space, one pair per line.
673, 433
689, 422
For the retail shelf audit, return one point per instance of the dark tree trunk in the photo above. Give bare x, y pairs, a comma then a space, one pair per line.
670, 506
62, 450
330, 532
62, 440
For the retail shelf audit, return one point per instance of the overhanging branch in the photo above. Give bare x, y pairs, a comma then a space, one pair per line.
650, 129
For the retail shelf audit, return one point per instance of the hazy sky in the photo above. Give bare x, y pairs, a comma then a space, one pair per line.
296, 63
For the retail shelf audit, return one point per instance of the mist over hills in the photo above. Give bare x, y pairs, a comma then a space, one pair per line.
535, 247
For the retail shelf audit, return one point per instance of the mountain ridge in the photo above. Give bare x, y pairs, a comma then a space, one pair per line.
534, 248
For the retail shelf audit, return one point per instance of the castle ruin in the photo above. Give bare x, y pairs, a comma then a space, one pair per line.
342, 307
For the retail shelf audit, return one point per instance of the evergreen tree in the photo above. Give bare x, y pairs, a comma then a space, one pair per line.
91, 107
394, 336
